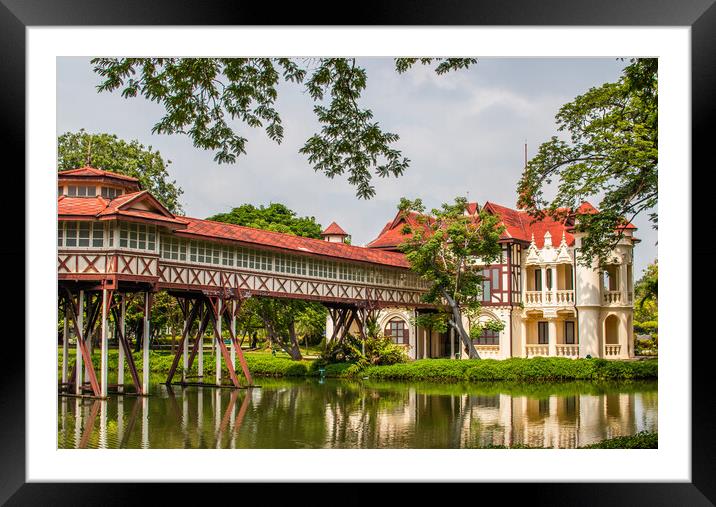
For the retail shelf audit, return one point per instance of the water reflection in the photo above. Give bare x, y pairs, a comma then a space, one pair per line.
347, 414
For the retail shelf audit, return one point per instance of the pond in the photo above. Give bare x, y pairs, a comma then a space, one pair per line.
331, 413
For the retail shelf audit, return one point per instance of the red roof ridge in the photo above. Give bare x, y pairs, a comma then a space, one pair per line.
334, 229
321, 247
88, 170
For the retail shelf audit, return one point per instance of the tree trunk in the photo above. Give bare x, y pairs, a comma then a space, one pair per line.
295, 352
456, 323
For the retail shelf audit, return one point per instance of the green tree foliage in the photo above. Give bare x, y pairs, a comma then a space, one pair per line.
202, 96
276, 217
612, 151
108, 152
449, 250
282, 320
646, 311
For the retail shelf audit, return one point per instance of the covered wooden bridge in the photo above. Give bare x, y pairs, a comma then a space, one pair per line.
116, 242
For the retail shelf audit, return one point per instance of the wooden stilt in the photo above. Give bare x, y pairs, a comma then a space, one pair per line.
78, 318
200, 338
120, 351
145, 344
233, 332
104, 356
65, 344
219, 339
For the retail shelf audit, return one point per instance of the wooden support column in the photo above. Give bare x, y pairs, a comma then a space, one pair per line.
65, 342
219, 339
104, 352
145, 344
233, 332
200, 338
79, 321
185, 346
120, 348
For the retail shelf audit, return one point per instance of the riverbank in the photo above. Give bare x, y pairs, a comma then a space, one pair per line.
444, 370
642, 440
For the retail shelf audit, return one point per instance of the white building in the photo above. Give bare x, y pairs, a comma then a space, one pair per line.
550, 304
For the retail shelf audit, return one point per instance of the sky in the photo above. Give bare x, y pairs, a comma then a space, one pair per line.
464, 133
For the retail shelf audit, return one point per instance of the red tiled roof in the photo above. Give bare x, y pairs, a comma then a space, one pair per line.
209, 229
472, 208
94, 172
392, 234
99, 207
334, 229
520, 225
586, 208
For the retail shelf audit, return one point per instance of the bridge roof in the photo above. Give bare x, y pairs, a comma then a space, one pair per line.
209, 229
124, 208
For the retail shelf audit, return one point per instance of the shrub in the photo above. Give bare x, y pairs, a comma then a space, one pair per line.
642, 440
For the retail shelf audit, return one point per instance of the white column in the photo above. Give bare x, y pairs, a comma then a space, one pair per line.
65, 340
145, 347
78, 352
103, 424
623, 282
425, 343
452, 343
233, 333
145, 422
104, 348
523, 336
543, 269
120, 419
552, 331
554, 285
218, 343
120, 352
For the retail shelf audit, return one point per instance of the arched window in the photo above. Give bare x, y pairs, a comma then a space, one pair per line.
397, 330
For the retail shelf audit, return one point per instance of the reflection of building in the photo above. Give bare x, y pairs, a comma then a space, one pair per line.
549, 303
474, 420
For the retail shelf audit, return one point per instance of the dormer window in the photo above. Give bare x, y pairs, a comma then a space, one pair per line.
81, 191
110, 193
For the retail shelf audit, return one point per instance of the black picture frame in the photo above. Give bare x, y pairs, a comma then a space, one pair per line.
700, 15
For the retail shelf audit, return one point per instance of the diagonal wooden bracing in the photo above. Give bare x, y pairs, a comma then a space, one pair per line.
75, 310
124, 343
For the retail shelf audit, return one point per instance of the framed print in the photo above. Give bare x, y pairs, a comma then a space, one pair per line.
216, 301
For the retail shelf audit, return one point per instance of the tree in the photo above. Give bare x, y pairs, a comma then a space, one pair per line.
108, 152
283, 320
276, 217
613, 151
449, 250
201, 96
646, 311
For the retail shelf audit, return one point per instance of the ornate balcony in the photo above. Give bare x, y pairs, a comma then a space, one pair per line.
612, 297
538, 299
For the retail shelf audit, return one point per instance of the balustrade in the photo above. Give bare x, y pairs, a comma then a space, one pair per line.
537, 349
567, 350
612, 350
612, 297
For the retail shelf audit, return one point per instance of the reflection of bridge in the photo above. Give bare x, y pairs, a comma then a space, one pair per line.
116, 241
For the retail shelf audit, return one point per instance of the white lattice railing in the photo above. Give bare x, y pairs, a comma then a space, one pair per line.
534, 349
612, 350
612, 297
533, 298
564, 297
567, 350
